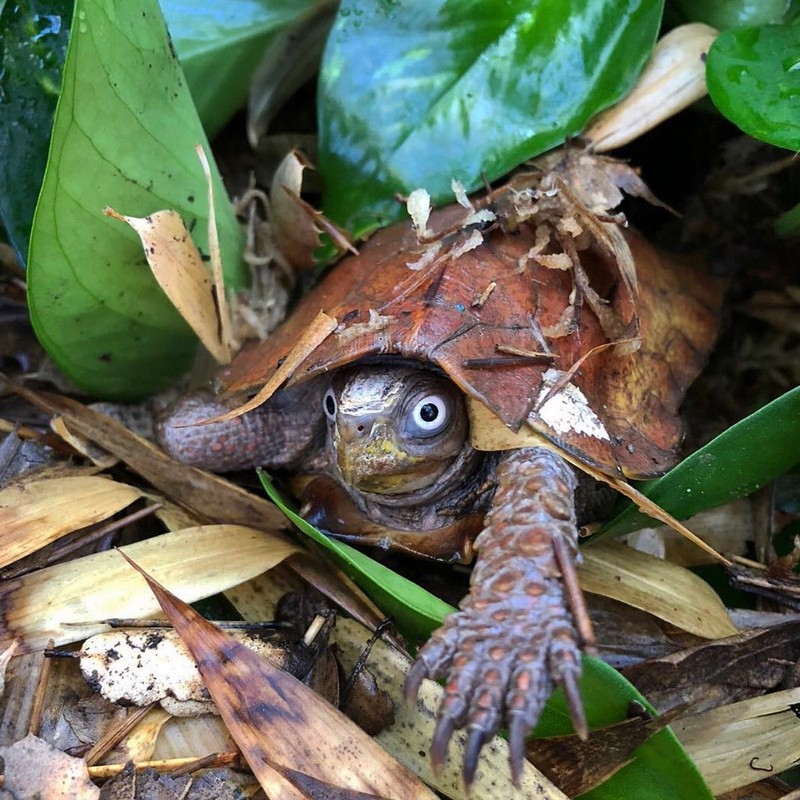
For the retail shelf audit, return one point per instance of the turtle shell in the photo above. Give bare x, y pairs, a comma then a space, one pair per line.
501, 313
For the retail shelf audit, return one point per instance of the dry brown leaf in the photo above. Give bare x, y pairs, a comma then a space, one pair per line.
35, 514
742, 743
665, 590
178, 267
209, 496
98, 456
720, 671
293, 225
578, 766
673, 79
277, 720
728, 529
34, 770
141, 742
64, 602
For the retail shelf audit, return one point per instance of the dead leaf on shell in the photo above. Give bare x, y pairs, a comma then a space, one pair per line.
177, 266
294, 228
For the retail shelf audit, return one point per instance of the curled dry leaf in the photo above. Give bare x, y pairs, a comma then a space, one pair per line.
739, 744
177, 266
277, 721
64, 602
293, 224
665, 590
37, 513
220, 297
674, 78
33, 769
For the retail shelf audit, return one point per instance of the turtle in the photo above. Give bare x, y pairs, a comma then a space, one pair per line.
533, 305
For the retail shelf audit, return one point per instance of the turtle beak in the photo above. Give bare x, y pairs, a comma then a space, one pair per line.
371, 460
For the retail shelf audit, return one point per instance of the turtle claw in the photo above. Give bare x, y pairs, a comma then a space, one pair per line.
520, 632
569, 682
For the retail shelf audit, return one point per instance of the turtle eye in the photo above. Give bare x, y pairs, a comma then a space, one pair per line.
329, 405
430, 415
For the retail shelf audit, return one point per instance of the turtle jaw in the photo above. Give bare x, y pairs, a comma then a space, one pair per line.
371, 459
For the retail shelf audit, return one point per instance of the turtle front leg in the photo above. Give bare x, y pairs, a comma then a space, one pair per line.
515, 637
279, 434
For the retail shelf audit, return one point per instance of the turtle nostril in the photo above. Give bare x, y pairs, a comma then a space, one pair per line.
360, 429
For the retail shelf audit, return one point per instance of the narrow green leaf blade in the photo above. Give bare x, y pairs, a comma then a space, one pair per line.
745, 457
124, 136
753, 77
415, 94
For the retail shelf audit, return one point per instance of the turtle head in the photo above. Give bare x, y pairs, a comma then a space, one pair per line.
394, 429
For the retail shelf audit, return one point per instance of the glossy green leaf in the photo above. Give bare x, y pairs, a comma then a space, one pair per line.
33, 41
753, 77
123, 136
748, 455
661, 770
415, 94
220, 42
724, 14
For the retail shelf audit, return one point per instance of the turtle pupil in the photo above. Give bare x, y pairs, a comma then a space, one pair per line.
429, 412
330, 405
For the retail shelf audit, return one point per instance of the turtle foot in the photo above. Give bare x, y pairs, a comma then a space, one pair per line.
516, 637
500, 667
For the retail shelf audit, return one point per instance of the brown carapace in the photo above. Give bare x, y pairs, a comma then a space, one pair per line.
537, 304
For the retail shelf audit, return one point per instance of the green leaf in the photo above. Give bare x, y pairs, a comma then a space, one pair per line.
416, 612
33, 41
753, 77
748, 455
123, 136
724, 14
415, 94
661, 769
788, 223
220, 43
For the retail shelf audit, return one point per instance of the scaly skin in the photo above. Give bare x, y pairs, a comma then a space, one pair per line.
283, 433
515, 636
